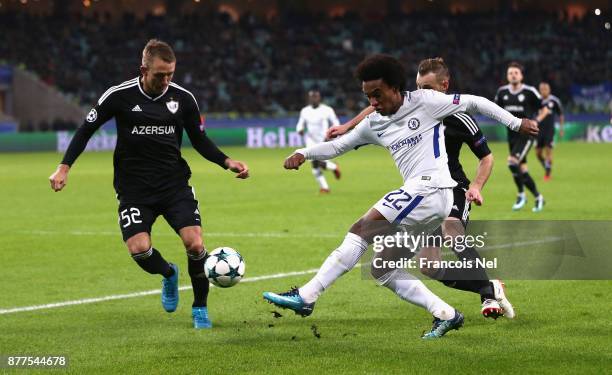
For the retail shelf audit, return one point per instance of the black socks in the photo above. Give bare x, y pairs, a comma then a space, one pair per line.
518, 177
199, 282
530, 184
152, 262
473, 280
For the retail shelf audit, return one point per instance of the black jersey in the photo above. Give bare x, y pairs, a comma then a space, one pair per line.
556, 109
524, 103
147, 158
459, 129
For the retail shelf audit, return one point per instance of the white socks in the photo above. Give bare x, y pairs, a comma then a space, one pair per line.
320, 178
411, 289
330, 166
340, 261
406, 286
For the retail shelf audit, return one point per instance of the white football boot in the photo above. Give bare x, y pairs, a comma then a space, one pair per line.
500, 296
491, 309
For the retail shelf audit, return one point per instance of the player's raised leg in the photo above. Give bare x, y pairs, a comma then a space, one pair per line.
341, 260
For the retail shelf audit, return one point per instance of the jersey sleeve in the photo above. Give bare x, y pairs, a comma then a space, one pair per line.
199, 140
360, 136
301, 122
498, 97
536, 100
478, 142
104, 110
558, 107
440, 105
467, 130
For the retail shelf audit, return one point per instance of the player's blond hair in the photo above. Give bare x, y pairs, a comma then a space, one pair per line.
435, 65
157, 48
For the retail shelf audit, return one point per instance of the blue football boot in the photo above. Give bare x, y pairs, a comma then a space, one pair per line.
200, 318
170, 292
290, 300
441, 327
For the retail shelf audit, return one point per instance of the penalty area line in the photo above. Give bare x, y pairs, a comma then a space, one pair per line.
114, 297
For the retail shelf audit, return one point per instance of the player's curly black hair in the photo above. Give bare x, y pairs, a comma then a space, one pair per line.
385, 67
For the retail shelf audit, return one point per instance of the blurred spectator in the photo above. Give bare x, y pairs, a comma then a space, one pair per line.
255, 65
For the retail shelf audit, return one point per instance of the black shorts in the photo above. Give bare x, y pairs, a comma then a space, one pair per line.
546, 136
461, 206
180, 210
520, 145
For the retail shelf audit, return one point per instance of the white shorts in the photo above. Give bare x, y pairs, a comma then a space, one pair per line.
417, 208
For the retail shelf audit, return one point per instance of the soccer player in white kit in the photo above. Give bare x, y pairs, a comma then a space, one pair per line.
408, 124
314, 121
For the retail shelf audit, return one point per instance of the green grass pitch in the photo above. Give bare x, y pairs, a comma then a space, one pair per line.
66, 246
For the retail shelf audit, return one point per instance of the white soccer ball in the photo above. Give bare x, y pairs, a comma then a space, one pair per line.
224, 267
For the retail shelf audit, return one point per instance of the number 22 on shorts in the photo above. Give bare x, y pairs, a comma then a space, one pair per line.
395, 199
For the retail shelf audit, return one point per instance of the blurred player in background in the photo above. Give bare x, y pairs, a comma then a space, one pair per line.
547, 128
314, 121
151, 178
522, 101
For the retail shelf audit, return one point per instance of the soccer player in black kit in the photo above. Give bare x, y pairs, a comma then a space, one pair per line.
458, 129
150, 175
523, 101
547, 128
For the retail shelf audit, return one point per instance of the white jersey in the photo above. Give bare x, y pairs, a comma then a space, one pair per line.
315, 122
414, 135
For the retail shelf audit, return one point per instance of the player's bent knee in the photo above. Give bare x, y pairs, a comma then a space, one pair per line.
194, 245
138, 243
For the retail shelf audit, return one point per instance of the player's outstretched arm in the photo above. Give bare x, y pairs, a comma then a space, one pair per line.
205, 146
97, 116
441, 105
209, 150
329, 150
338, 130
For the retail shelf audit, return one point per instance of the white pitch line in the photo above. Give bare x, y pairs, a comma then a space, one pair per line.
204, 233
188, 287
141, 294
